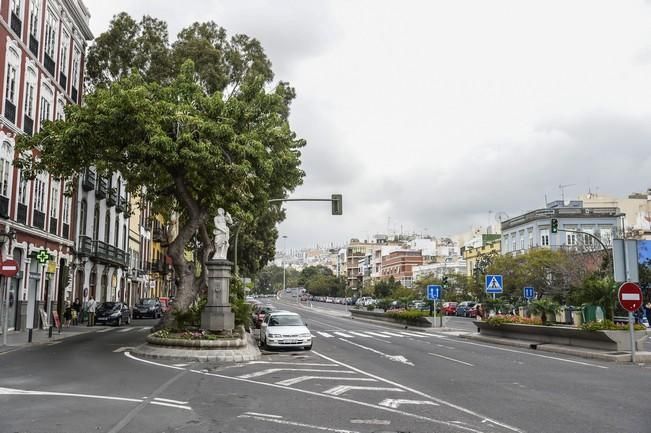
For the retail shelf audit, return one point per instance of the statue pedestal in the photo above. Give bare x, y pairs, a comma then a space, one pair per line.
217, 315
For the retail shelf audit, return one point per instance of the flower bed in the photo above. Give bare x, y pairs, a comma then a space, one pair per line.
502, 319
199, 339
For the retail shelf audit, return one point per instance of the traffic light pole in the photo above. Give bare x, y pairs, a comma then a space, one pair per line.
336, 201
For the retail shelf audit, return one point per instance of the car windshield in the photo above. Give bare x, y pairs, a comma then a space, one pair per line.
148, 301
108, 306
285, 321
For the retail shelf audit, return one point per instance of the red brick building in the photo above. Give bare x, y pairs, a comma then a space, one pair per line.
399, 264
42, 46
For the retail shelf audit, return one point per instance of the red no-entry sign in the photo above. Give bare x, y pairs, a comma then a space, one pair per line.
9, 268
630, 296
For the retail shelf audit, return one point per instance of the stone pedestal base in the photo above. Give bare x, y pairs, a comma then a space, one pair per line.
217, 315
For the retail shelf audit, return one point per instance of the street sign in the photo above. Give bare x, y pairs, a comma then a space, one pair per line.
529, 293
630, 296
494, 284
9, 268
433, 292
43, 256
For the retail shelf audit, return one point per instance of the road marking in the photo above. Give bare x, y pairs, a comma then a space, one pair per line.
359, 334
389, 402
313, 336
262, 414
12, 391
343, 334
377, 334
309, 364
106, 330
275, 370
122, 349
452, 359
413, 334
295, 380
178, 406
393, 334
145, 328
167, 400
341, 389
298, 424
532, 354
371, 421
447, 347
180, 365
126, 329
396, 358
325, 334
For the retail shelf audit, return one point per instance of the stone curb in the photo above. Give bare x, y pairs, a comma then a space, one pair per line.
207, 344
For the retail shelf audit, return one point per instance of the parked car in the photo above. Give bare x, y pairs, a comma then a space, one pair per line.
164, 303
285, 329
449, 308
259, 314
472, 312
115, 313
147, 307
463, 307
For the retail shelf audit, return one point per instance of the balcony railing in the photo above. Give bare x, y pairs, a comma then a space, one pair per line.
108, 253
16, 24
101, 187
33, 44
159, 234
38, 219
4, 207
159, 266
88, 182
49, 64
21, 213
28, 125
121, 205
53, 225
110, 199
63, 80
85, 245
10, 111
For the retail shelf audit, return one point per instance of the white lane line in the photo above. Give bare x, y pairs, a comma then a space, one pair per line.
371, 421
313, 336
145, 328
122, 349
309, 364
106, 330
389, 402
325, 334
413, 334
178, 406
126, 329
263, 414
446, 347
452, 359
295, 380
298, 424
158, 364
167, 400
532, 354
341, 389
12, 391
343, 334
276, 370
359, 334
332, 397
422, 394
396, 358
393, 334
377, 334
180, 365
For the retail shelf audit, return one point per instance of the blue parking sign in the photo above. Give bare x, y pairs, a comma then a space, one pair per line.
433, 292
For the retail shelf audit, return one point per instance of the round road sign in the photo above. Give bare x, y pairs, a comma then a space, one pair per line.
630, 296
9, 268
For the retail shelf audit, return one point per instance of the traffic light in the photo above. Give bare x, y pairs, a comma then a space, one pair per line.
337, 205
445, 281
554, 225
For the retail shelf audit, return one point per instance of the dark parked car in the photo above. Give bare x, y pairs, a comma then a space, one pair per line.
463, 308
115, 313
259, 313
147, 307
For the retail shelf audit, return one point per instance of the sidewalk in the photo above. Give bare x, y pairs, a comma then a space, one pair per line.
18, 339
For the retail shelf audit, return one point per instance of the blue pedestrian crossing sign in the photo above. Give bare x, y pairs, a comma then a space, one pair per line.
529, 293
433, 292
494, 284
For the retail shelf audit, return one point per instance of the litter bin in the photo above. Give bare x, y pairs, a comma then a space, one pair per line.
567, 314
577, 317
589, 313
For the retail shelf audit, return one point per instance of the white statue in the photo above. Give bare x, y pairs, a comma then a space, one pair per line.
222, 233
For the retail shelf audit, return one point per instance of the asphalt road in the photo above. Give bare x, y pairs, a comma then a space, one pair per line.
360, 377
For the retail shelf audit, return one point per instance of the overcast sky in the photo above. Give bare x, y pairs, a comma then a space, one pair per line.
435, 116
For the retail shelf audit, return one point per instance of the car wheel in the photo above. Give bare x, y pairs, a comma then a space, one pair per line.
118, 322
308, 347
128, 320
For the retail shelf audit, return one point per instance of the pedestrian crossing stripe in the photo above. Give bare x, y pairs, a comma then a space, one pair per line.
371, 334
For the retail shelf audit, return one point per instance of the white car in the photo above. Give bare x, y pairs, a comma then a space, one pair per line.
285, 329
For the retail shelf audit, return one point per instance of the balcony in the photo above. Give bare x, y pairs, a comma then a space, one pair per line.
107, 253
122, 204
159, 234
73, 94
16, 24
49, 64
21, 213
28, 125
10, 111
88, 182
159, 267
53, 225
101, 187
4, 207
85, 246
38, 220
110, 199
63, 80
33, 44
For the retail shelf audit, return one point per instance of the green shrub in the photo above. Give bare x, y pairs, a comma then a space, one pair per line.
190, 317
407, 315
242, 311
370, 307
609, 325
500, 320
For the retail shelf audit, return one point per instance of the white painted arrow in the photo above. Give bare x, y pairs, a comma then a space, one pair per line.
396, 358
341, 389
389, 402
295, 380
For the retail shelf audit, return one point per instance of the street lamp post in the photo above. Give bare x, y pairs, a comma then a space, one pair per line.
284, 252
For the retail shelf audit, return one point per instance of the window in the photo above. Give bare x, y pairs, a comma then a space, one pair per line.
82, 217
63, 58
60, 112
16, 7
66, 210
33, 18
544, 238
571, 239
29, 99
54, 199
107, 226
22, 190
51, 26
6, 158
96, 222
76, 58
45, 110
39, 193
605, 235
522, 242
124, 238
10, 87
116, 236
530, 238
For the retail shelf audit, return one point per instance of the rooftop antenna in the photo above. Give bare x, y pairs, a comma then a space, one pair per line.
562, 188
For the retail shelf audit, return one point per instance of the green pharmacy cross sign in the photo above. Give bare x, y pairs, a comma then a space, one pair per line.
43, 257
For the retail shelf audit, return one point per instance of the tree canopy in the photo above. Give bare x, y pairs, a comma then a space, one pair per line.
188, 133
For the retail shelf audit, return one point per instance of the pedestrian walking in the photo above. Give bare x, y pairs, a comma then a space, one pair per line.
67, 315
76, 312
647, 312
92, 306
480, 312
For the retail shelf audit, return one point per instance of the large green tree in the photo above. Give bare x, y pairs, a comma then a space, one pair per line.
187, 133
